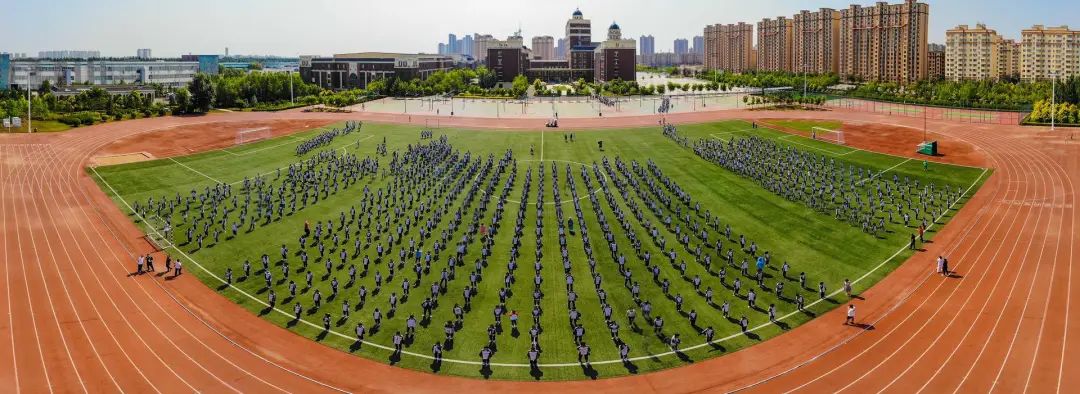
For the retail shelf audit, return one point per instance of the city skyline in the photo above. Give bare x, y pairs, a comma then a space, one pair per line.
74, 25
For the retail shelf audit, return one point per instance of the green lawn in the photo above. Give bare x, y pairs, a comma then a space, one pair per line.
824, 248
41, 126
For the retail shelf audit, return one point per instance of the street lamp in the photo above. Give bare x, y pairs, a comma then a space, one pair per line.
1053, 98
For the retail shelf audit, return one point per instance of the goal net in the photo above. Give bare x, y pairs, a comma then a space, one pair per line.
252, 135
827, 135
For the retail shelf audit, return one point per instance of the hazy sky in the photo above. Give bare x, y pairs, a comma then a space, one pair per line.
323, 27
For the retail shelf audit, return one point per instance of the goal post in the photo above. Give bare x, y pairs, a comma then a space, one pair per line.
827, 135
251, 135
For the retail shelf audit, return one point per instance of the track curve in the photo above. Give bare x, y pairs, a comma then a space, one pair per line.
77, 322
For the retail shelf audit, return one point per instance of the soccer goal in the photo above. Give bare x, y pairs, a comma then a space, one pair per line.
827, 135
252, 135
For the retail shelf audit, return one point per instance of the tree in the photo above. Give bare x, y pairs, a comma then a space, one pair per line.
202, 93
182, 100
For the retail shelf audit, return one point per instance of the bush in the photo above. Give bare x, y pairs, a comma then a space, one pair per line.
76, 119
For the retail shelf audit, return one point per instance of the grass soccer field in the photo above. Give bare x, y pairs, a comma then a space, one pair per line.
636, 210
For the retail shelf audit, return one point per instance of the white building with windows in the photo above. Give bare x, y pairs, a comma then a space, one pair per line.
169, 73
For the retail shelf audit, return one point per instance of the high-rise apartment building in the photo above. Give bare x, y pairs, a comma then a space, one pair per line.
816, 41
774, 44
973, 53
729, 47
1047, 51
884, 42
543, 47
1011, 59
647, 44
560, 49
452, 44
481, 42
143, 53
935, 58
699, 45
681, 46
466, 47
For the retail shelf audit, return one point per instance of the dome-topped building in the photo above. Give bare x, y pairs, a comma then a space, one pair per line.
577, 14
614, 33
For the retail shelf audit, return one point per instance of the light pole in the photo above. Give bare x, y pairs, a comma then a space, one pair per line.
1053, 98
291, 99
29, 104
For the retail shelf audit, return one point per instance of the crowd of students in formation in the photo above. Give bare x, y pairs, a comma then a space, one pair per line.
326, 138
429, 235
856, 195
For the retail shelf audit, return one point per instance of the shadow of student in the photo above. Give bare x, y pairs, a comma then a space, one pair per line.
864, 326
435, 366
683, 357
292, 323
322, 335
536, 373
590, 372
630, 367
486, 372
223, 286
753, 336
266, 311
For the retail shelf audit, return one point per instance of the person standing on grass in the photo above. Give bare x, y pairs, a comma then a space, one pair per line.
847, 287
850, 315
911, 244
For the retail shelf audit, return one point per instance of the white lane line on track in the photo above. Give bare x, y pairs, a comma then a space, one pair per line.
7, 281
48, 159
966, 301
614, 361
30, 304
1030, 165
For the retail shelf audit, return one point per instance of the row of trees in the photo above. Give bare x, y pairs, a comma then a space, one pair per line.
968, 94
90, 105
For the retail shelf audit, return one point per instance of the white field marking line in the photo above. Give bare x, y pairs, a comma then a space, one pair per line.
7, 285
194, 170
614, 361
29, 300
1027, 301
940, 308
186, 309
986, 302
872, 177
873, 323
47, 161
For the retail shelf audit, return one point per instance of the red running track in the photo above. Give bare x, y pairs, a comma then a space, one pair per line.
75, 321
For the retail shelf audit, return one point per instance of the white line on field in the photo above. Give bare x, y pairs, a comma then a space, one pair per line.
195, 171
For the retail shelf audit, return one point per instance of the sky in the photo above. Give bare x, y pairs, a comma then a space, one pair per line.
324, 27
